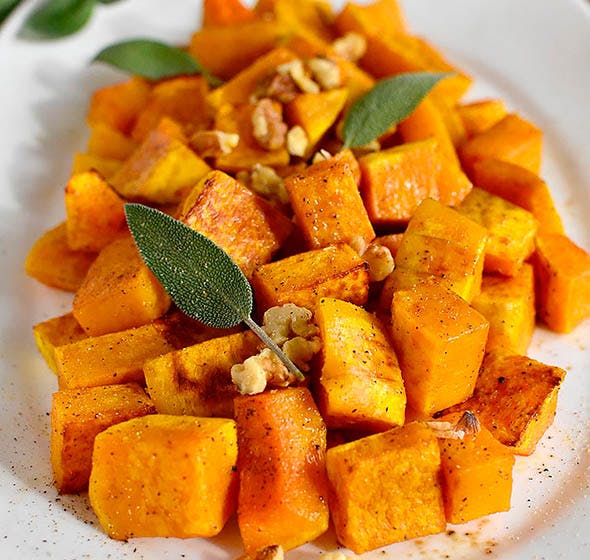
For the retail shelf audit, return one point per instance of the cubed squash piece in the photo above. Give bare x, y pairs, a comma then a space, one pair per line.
225, 12
328, 205
521, 187
111, 358
77, 416
562, 275
52, 262
476, 475
381, 17
245, 225
283, 497
165, 476
197, 380
515, 399
307, 16
335, 271
360, 384
56, 332
119, 291
108, 167
508, 303
440, 342
94, 212
513, 139
385, 488
110, 143
162, 170
479, 116
511, 230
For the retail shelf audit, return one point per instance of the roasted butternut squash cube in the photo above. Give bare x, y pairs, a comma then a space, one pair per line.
182, 99
119, 291
94, 212
110, 143
107, 167
440, 343
111, 358
515, 399
225, 12
562, 274
479, 116
511, 230
335, 271
450, 116
243, 224
521, 187
77, 416
56, 332
360, 384
162, 169
327, 204
381, 17
237, 119
281, 463
197, 380
385, 488
52, 262
307, 16
513, 139
164, 476
476, 475
396, 180
118, 106
508, 303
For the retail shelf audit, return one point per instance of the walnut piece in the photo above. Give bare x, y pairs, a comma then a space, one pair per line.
279, 86
468, 424
381, 263
326, 72
351, 46
321, 155
283, 322
296, 70
213, 143
297, 141
266, 182
268, 127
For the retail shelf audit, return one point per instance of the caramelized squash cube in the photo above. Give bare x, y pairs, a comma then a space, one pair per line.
119, 291
109, 143
480, 116
360, 384
381, 17
108, 167
77, 416
165, 476
225, 12
385, 488
283, 497
440, 343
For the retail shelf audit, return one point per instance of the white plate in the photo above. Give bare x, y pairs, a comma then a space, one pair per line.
534, 54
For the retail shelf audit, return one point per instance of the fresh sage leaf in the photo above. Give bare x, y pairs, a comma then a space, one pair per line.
387, 103
152, 59
57, 18
201, 278
6, 7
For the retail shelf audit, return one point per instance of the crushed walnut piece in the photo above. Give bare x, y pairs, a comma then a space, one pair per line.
378, 257
266, 182
351, 46
326, 72
279, 86
297, 141
272, 552
321, 155
268, 127
468, 424
296, 70
213, 143
283, 322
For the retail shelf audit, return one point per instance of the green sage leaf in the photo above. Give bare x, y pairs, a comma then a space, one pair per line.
388, 103
152, 59
57, 18
6, 7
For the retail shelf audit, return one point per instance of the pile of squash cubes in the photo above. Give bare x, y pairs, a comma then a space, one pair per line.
147, 416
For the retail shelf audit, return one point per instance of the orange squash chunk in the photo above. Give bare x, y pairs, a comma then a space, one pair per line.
77, 416
521, 187
52, 262
119, 291
381, 17
335, 271
512, 139
515, 399
94, 212
508, 303
246, 226
562, 274
479, 116
327, 204
106, 166
225, 12
385, 488
360, 384
440, 342
281, 463
164, 476
109, 143
476, 475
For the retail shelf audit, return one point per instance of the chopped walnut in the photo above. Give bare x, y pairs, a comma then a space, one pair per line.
300, 350
272, 552
326, 72
468, 424
359, 244
286, 321
321, 155
297, 141
380, 261
296, 70
373, 146
281, 87
213, 143
256, 372
266, 182
268, 127
336, 555
351, 46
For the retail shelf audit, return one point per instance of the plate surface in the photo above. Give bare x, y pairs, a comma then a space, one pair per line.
533, 54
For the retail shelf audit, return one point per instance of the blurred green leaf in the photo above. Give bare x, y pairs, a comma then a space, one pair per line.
57, 18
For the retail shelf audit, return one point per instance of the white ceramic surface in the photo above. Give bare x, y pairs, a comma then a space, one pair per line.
533, 53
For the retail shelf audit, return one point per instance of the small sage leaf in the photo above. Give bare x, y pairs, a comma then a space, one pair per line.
57, 18
152, 59
388, 103
200, 277
6, 7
